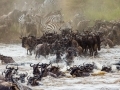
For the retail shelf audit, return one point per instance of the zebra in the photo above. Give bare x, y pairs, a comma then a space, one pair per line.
52, 19
52, 27
21, 21
52, 22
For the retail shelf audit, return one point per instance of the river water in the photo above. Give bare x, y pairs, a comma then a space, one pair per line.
107, 56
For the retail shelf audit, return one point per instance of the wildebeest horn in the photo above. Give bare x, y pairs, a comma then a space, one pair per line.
31, 65
17, 68
38, 63
28, 78
83, 63
50, 63
74, 66
79, 66
60, 28
12, 79
7, 67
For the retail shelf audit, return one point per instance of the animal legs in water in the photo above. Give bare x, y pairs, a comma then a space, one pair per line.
30, 51
27, 51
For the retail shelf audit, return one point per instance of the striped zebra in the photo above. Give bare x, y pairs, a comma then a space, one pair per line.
57, 26
52, 27
52, 22
52, 19
21, 21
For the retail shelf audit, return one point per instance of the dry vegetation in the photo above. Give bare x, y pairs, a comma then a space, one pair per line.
5, 6
92, 9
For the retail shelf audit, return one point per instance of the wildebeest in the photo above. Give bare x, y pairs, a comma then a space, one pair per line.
29, 43
36, 70
6, 59
76, 72
71, 52
13, 85
42, 49
10, 71
56, 70
58, 56
79, 50
91, 41
22, 77
106, 68
33, 81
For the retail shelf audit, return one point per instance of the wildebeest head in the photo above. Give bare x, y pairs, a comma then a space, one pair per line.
32, 81
98, 41
106, 68
16, 70
28, 41
24, 41
6, 59
35, 68
88, 67
54, 69
22, 77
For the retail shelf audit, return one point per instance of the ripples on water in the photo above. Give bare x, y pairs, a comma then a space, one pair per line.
107, 56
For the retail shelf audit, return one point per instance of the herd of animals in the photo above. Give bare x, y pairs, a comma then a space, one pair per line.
85, 41
12, 79
68, 43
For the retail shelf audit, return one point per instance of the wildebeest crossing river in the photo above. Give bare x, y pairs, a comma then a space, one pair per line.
106, 81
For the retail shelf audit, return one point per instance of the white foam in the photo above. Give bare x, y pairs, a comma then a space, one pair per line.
109, 81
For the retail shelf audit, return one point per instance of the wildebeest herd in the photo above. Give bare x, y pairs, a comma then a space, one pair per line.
68, 43
12, 78
85, 41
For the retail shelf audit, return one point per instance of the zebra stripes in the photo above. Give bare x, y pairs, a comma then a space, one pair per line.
52, 22
52, 27
21, 19
51, 19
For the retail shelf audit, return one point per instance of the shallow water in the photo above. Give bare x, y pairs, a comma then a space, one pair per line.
108, 56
